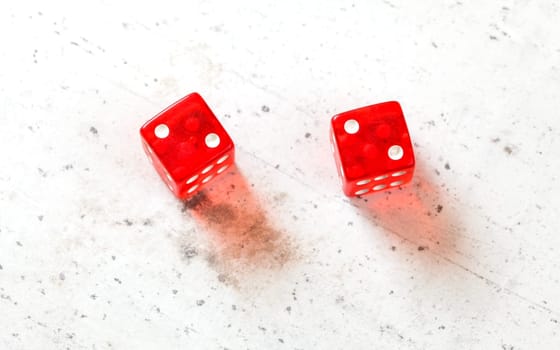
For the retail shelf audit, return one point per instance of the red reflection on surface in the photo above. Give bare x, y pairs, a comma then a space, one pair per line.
416, 212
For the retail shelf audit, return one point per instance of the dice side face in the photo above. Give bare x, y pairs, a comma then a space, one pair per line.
373, 149
187, 145
191, 185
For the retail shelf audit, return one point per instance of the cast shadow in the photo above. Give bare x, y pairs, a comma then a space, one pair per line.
417, 213
241, 238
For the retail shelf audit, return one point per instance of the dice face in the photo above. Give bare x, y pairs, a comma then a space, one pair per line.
372, 148
187, 145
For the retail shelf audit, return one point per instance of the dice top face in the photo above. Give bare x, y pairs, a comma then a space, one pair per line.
372, 148
187, 145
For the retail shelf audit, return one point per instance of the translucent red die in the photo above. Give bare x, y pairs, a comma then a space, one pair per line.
187, 145
372, 148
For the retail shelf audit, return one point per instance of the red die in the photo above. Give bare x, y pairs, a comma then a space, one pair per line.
187, 145
372, 148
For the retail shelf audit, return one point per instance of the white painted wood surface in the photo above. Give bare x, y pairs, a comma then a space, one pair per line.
95, 253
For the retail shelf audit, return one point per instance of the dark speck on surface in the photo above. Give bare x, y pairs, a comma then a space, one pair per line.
40, 217
495, 140
307, 135
93, 130
61, 276
281, 340
508, 150
175, 291
68, 167
117, 280
393, 248
19, 243
189, 252
421, 248
1, 268
265, 109
492, 37
42, 172
447, 167
439, 208
277, 166
127, 222
200, 302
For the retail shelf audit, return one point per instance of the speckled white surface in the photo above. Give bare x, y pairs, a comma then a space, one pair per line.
95, 253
